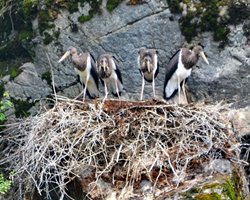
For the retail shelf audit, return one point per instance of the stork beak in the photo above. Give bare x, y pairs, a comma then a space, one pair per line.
204, 57
148, 66
67, 53
105, 67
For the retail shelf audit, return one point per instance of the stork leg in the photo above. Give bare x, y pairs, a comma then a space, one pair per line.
79, 94
106, 90
184, 91
153, 85
85, 88
179, 89
142, 87
117, 89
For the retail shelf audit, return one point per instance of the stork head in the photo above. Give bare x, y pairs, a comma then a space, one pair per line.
71, 51
146, 59
103, 63
198, 50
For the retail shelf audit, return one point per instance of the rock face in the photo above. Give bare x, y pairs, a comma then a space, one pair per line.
28, 85
123, 32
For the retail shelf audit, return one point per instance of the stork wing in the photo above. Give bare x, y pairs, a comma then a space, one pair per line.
157, 64
171, 68
119, 75
93, 61
117, 71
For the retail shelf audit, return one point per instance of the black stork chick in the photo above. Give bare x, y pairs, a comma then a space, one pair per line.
148, 66
84, 66
179, 68
110, 74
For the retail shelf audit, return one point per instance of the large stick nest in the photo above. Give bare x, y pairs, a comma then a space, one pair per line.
119, 142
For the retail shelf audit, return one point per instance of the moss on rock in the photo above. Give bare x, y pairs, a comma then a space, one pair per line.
21, 107
47, 76
14, 72
209, 196
84, 18
47, 38
30, 7
218, 188
45, 21
112, 4
209, 15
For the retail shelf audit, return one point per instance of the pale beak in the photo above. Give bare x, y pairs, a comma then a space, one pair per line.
67, 53
148, 65
105, 67
204, 57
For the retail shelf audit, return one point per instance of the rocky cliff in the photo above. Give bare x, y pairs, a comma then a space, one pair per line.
122, 31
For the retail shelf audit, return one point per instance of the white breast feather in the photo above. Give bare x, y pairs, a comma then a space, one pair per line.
91, 85
182, 72
113, 64
111, 85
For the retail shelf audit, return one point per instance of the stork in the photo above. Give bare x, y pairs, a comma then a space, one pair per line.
179, 68
148, 66
110, 74
84, 65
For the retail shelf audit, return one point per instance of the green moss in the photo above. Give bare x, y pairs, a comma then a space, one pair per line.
95, 6
5, 184
174, 6
189, 194
211, 186
84, 18
56, 34
47, 38
112, 4
73, 6
25, 35
220, 34
29, 7
209, 196
188, 29
2, 90
238, 12
231, 189
47, 76
45, 21
21, 107
205, 17
14, 72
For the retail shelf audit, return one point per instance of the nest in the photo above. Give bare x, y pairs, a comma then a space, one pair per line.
119, 143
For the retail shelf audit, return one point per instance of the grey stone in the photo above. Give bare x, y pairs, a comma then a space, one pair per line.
123, 32
28, 85
221, 166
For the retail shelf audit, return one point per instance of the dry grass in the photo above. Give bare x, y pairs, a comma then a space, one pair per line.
121, 142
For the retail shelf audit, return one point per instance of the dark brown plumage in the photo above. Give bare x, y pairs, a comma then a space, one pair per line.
110, 74
179, 68
85, 67
148, 66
